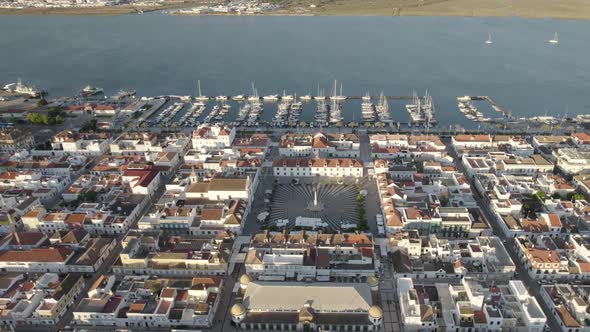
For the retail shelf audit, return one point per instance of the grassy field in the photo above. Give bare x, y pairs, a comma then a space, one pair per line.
563, 9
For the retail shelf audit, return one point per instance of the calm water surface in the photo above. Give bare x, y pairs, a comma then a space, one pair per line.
159, 54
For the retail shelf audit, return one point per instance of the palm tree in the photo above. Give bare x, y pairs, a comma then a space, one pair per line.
339, 124
352, 124
302, 124
379, 124
367, 124
174, 125
144, 124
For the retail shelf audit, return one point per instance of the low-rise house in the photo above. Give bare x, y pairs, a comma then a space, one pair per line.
152, 254
92, 144
206, 138
468, 306
461, 142
482, 258
14, 139
139, 143
572, 161
569, 305
145, 302
38, 300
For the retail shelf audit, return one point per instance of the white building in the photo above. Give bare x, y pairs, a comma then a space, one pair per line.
293, 167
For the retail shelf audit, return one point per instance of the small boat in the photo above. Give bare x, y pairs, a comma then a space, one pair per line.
271, 97
305, 97
489, 40
238, 97
221, 98
554, 40
124, 93
90, 90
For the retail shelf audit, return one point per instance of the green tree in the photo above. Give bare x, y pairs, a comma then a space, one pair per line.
575, 197
41, 102
34, 118
540, 196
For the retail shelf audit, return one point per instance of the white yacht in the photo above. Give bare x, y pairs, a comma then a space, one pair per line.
200, 97
271, 97
335, 96
238, 97
287, 97
254, 96
306, 97
489, 40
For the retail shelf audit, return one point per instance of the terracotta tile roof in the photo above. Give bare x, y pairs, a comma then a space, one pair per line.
75, 218
554, 220
168, 293
415, 213
534, 225
566, 317
205, 282
582, 137
543, 256
145, 176
25, 238
44, 255
472, 138
211, 214
228, 184
394, 219
584, 266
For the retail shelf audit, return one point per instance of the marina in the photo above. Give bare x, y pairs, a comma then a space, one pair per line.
292, 111
409, 113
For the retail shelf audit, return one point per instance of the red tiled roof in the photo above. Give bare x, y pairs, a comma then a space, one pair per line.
211, 214
44, 255
145, 176
554, 220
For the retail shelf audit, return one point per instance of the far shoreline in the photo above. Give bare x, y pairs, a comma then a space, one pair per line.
349, 9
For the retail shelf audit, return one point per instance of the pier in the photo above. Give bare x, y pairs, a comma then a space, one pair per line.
492, 103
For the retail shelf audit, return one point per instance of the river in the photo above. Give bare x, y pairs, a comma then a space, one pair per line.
159, 54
